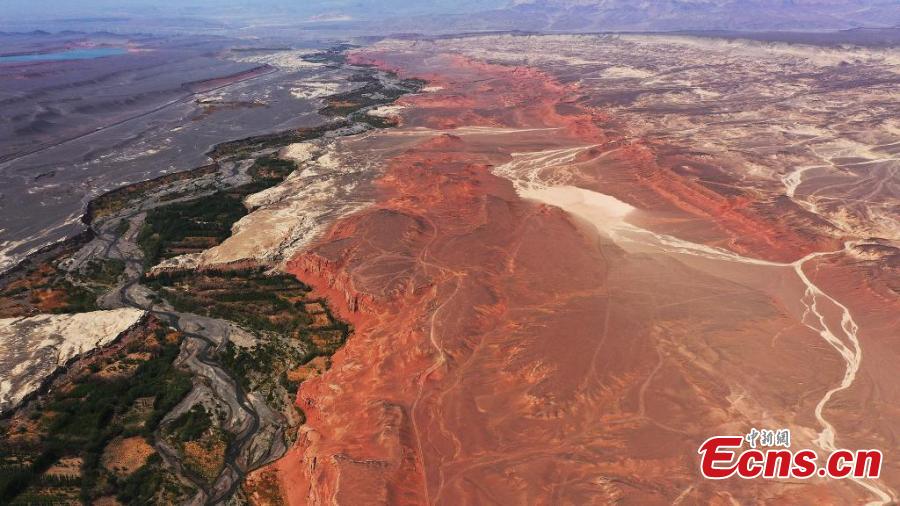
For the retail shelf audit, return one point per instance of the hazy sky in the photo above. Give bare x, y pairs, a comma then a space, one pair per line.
35, 10
372, 16
226, 17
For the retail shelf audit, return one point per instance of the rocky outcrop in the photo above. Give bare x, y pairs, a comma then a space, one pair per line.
330, 181
36, 347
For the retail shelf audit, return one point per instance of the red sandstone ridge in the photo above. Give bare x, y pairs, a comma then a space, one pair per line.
630, 170
504, 352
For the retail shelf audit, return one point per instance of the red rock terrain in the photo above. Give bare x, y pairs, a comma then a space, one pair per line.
505, 352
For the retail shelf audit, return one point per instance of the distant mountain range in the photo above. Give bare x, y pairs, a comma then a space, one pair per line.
665, 15
377, 17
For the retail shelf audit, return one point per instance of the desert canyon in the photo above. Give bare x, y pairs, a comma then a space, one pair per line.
586, 255
522, 269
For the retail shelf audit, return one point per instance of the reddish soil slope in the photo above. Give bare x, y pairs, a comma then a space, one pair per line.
504, 352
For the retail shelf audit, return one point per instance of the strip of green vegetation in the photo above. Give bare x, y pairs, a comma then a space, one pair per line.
191, 424
104, 272
245, 147
334, 55
272, 305
203, 444
121, 198
206, 220
15, 479
249, 297
373, 93
199, 224
148, 484
78, 298
39, 285
377, 121
81, 420
270, 168
270, 358
122, 227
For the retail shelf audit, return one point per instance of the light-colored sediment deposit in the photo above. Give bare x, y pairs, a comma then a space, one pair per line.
35, 347
329, 182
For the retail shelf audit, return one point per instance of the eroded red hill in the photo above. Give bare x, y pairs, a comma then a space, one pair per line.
504, 351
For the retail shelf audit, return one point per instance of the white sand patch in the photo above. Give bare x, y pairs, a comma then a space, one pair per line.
603, 211
274, 232
306, 90
620, 72
328, 161
31, 349
258, 235
266, 197
386, 111
180, 262
289, 60
299, 151
287, 217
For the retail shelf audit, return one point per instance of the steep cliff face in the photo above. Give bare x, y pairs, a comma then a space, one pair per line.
427, 278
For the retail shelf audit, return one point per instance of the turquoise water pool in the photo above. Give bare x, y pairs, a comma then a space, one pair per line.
71, 54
